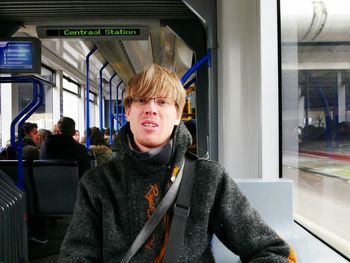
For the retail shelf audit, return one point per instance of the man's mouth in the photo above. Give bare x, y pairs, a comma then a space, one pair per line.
149, 123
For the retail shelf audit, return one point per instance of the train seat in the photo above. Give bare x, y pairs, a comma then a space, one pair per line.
273, 199
10, 167
56, 183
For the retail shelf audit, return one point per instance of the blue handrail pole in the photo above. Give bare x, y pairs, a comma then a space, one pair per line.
19, 146
28, 110
188, 84
117, 102
38, 98
38, 101
110, 109
101, 95
88, 98
123, 117
19, 79
196, 66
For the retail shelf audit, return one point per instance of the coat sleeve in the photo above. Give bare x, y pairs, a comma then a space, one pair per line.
83, 160
82, 242
242, 229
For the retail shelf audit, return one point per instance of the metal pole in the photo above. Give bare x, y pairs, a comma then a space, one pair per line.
110, 109
88, 98
34, 104
116, 107
101, 93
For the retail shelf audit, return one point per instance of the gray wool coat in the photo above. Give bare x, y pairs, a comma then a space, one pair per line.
115, 200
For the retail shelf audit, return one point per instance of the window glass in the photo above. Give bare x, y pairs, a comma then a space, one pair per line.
315, 77
93, 114
92, 97
43, 115
71, 86
71, 100
70, 106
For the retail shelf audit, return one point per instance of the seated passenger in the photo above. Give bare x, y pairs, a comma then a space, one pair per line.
30, 141
43, 134
115, 199
76, 136
99, 147
63, 146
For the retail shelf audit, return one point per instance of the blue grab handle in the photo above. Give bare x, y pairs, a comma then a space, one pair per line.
196, 66
101, 93
110, 109
88, 97
117, 102
33, 105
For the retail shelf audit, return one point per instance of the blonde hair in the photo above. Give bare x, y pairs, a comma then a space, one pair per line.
155, 80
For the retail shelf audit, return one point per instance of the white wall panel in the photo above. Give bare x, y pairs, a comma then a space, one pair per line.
248, 88
238, 82
269, 89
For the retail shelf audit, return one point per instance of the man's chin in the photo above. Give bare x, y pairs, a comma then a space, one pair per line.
150, 144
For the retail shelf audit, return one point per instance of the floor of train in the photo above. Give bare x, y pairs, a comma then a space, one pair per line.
48, 253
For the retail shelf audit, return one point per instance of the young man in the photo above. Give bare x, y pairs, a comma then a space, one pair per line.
116, 199
30, 141
76, 136
30, 146
63, 146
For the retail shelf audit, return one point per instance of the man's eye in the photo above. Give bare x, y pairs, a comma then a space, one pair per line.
161, 101
141, 100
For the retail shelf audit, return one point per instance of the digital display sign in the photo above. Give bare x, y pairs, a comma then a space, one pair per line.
20, 55
95, 33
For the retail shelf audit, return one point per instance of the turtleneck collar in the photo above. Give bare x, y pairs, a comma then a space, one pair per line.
171, 154
157, 156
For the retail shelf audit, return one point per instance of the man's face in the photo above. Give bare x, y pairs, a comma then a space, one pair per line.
76, 136
34, 136
152, 121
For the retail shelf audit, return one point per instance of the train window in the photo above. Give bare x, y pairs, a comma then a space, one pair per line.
315, 99
92, 97
43, 117
71, 100
71, 86
47, 73
93, 109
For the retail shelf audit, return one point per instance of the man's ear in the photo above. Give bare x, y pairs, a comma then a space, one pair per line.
127, 112
178, 120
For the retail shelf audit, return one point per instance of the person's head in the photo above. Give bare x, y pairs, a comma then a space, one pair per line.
96, 137
66, 126
30, 130
154, 100
43, 134
76, 136
54, 129
105, 131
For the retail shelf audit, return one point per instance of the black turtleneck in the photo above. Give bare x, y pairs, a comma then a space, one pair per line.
157, 156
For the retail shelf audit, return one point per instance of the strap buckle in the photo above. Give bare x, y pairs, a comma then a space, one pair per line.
181, 211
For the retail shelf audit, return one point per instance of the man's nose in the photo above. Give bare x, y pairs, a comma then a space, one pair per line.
151, 107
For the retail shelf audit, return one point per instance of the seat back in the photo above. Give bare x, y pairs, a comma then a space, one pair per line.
92, 158
56, 183
13, 231
10, 167
114, 150
273, 199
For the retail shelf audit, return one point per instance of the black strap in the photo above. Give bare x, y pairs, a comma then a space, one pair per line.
181, 212
155, 218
